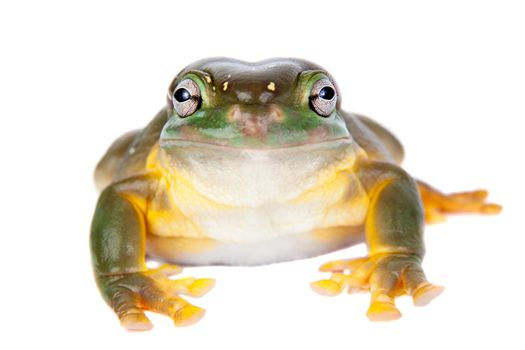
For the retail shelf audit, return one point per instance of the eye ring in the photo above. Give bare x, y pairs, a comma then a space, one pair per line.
186, 98
323, 97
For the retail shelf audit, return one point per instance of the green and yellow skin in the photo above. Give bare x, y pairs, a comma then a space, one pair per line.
255, 163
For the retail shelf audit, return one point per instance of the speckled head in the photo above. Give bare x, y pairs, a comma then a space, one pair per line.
275, 103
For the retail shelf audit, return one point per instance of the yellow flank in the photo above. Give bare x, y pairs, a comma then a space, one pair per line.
174, 248
374, 242
339, 186
164, 217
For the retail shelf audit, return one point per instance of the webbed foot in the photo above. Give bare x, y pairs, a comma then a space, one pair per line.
385, 276
438, 204
131, 294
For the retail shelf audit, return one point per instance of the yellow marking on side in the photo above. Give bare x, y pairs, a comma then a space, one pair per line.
152, 160
225, 86
208, 79
164, 216
372, 237
271, 86
170, 248
337, 233
338, 186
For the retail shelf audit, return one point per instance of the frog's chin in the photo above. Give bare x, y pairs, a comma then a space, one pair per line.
252, 177
172, 143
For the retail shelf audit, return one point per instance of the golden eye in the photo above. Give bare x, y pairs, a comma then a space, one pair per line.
323, 97
186, 98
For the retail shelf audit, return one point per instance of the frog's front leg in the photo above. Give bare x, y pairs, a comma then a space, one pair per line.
394, 234
118, 235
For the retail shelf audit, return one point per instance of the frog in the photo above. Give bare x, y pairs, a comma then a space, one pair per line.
253, 163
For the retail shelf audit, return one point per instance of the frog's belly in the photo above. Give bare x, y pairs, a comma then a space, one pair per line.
257, 220
205, 251
302, 228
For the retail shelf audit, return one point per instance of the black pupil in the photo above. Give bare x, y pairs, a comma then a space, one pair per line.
327, 93
182, 95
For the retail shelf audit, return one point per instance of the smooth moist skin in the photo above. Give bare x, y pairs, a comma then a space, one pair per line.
255, 163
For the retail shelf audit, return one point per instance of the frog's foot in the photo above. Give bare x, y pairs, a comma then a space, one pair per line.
385, 276
131, 294
438, 204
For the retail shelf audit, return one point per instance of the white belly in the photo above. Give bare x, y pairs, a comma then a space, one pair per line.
192, 251
252, 208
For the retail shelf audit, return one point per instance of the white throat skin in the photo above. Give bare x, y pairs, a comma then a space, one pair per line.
256, 177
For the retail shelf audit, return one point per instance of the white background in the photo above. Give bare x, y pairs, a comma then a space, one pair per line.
447, 77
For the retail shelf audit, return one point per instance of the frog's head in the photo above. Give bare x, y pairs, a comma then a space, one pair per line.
248, 133
276, 103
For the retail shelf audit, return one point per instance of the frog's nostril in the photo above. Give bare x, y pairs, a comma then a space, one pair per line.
255, 126
255, 121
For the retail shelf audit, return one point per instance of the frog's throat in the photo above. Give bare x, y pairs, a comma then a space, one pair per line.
249, 177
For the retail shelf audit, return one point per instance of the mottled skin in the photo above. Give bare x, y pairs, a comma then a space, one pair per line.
257, 172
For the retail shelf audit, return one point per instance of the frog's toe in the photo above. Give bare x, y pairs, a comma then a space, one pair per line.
126, 305
341, 265
327, 287
437, 204
188, 315
136, 322
385, 276
426, 293
416, 285
191, 286
164, 270
383, 311
131, 294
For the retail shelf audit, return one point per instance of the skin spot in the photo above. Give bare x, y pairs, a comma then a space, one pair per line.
225, 86
213, 87
265, 97
271, 86
244, 96
234, 114
276, 114
208, 79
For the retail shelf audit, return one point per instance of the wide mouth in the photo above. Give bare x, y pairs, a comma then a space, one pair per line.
330, 143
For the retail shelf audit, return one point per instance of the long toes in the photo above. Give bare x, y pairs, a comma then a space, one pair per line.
201, 287
188, 315
326, 287
491, 208
434, 216
190, 286
136, 322
469, 196
426, 293
334, 266
165, 270
383, 311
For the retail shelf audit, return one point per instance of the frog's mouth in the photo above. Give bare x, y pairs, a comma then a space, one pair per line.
254, 145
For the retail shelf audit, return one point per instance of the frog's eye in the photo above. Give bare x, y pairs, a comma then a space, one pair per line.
186, 98
323, 97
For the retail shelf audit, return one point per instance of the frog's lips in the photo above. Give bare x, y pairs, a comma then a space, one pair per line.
174, 142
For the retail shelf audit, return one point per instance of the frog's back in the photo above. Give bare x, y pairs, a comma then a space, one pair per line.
378, 142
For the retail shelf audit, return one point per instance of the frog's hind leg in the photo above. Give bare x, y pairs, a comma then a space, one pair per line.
437, 204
